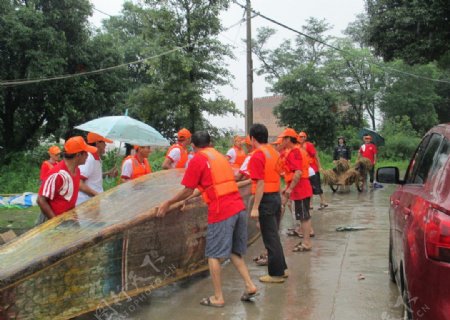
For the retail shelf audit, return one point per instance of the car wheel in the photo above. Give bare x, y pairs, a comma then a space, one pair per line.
391, 265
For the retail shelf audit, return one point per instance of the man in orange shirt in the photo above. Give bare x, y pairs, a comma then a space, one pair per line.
135, 166
226, 236
92, 174
54, 152
177, 155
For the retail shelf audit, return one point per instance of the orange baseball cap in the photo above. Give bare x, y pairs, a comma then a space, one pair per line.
278, 141
184, 134
93, 137
54, 150
302, 134
288, 132
77, 144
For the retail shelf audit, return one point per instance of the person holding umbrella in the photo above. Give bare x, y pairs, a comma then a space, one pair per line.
369, 150
91, 172
135, 166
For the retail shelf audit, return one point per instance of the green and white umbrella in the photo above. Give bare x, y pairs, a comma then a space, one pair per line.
125, 129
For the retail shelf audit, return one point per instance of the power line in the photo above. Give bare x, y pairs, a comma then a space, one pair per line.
339, 49
106, 14
19, 82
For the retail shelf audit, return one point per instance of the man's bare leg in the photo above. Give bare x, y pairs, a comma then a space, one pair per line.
306, 228
215, 271
241, 267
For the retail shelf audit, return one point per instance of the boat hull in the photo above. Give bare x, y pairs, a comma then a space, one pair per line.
107, 250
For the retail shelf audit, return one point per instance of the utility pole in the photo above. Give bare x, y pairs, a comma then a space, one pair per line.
249, 106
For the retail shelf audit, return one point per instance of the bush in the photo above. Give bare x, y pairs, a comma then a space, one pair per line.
21, 174
401, 139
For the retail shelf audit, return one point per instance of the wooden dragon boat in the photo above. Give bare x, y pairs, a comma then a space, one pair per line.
108, 249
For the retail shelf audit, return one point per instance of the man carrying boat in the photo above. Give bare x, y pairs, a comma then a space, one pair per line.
226, 237
264, 172
91, 182
137, 165
177, 155
59, 191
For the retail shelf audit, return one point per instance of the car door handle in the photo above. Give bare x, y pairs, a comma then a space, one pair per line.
407, 211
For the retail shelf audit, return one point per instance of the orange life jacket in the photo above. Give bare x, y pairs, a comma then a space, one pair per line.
282, 162
271, 173
240, 157
289, 175
50, 165
183, 155
221, 174
139, 169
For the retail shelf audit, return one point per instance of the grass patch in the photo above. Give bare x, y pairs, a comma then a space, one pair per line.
18, 220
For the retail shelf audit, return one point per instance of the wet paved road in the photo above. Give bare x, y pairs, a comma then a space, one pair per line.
323, 283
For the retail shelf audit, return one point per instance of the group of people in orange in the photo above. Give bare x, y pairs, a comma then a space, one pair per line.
299, 165
215, 175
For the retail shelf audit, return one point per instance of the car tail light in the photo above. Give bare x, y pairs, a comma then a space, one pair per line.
437, 235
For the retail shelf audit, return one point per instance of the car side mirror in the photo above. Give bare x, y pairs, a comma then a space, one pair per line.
388, 175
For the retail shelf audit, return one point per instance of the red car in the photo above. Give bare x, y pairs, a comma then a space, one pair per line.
419, 246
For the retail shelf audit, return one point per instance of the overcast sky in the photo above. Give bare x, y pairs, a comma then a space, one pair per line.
338, 13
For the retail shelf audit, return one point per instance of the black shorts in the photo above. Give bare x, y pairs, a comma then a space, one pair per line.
301, 209
315, 183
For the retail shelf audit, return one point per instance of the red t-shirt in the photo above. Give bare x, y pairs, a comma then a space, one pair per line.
45, 168
309, 147
256, 165
61, 188
303, 188
369, 151
197, 174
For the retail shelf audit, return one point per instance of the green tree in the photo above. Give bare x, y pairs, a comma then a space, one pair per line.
359, 78
416, 31
309, 104
176, 89
296, 69
413, 96
45, 38
401, 138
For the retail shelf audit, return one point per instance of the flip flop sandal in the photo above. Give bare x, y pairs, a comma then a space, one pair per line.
247, 296
301, 248
208, 303
293, 233
311, 235
261, 256
262, 262
323, 206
